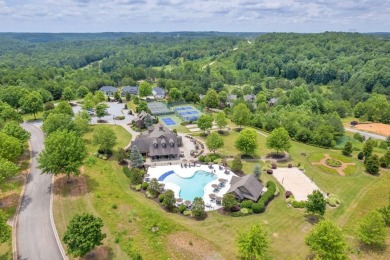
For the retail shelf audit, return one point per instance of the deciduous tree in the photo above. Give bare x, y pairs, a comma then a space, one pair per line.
68, 94
347, 149
253, 244
214, 142
279, 140
246, 141
211, 99
241, 114
220, 120
31, 103
57, 122
372, 165
12, 128
229, 201
100, 110
175, 94
83, 233
5, 229
10, 147
372, 229
145, 89
104, 137
326, 241
7, 170
198, 208
63, 154
169, 200
205, 122
316, 203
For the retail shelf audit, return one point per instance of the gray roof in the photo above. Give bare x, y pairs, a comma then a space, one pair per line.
158, 141
131, 89
158, 91
247, 187
231, 97
249, 97
273, 101
110, 89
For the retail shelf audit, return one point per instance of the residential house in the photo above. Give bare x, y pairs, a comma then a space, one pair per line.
250, 98
158, 142
272, 102
108, 90
158, 93
139, 120
231, 99
247, 187
133, 90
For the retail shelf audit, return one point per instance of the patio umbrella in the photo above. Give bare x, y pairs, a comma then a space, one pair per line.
214, 185
221, 180
184, 160
211, 163
187, 202
218, 198
179, 200
147, 175
212, 196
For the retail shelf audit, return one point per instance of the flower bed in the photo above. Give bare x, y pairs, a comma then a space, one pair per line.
333, 163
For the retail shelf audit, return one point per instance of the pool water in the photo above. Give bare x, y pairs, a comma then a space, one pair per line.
192, 187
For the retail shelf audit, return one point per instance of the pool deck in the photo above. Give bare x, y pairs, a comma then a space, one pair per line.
157, 171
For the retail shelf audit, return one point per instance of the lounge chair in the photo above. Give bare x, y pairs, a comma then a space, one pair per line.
216, 190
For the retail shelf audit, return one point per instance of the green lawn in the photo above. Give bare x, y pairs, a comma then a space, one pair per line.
129, 226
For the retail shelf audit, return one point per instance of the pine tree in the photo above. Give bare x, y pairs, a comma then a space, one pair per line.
347, 150
148, 121
136, 159
257, 171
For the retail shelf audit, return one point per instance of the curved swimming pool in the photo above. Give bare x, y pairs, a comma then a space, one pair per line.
192, 187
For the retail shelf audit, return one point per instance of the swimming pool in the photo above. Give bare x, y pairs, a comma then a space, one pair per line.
192, 187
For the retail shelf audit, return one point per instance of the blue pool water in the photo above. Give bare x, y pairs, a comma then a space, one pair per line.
191, 187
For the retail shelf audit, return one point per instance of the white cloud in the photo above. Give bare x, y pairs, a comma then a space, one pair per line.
169, 15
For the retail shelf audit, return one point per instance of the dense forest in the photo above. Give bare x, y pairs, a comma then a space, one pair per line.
313, 79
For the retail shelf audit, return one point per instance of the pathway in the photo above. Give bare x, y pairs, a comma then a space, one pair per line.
367, 135
36, 235
340, 170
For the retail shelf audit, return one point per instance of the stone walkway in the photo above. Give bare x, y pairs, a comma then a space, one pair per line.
340, 170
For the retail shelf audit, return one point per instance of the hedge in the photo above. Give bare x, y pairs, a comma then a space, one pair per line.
126, 171
269, 194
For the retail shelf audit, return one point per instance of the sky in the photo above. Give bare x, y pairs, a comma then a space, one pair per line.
194, 15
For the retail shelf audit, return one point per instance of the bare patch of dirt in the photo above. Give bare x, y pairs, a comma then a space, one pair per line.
99, 253
77, 186
376, 128
184, 245
10, 200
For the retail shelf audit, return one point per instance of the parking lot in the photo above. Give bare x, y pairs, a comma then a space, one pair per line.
114, 110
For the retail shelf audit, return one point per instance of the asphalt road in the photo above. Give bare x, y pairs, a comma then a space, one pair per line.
367, 135
35, 236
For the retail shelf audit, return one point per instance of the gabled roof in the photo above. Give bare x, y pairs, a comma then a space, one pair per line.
130, 89
247, 187
249, 97
231, 97
158, 91
108, 89
273, 101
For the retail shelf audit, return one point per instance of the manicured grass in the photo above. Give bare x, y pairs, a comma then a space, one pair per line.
30, 117
129, 226
316, 157
325, 169
342, 158
351, 169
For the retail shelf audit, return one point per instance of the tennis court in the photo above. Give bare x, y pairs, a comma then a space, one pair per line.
159, 108
168, 121
187, 113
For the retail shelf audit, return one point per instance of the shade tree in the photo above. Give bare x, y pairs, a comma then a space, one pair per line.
279, 140
205, 122
316, 203
105, 138
214, 142
246, 141
31, 103
241, 114
254, 243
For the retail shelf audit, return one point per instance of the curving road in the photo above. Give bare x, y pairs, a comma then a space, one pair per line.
35, 237
366, 134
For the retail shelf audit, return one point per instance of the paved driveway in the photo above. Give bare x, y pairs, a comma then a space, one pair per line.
294, 180
34, 233
365, 134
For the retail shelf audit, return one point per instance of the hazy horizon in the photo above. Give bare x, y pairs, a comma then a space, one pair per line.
93, 16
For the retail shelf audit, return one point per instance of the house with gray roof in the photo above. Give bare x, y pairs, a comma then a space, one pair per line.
272, 101
139, 120
158, 142
132, 90
158, 93
231, 99
108, 90
250, 98
247, 187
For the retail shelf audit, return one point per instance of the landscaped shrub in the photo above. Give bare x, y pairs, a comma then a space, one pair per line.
290, 200
244, 211
161, 197
359, 137
288, 194
269, 194
298, 204
270, 171
360, 155
302, 168
333, 163
201, 158
333, 200
289, 165
246, 204
145, 185
274, 166
182, 208
126, 171
383, 145
137, 187
187, 213
258, 207
207, 159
